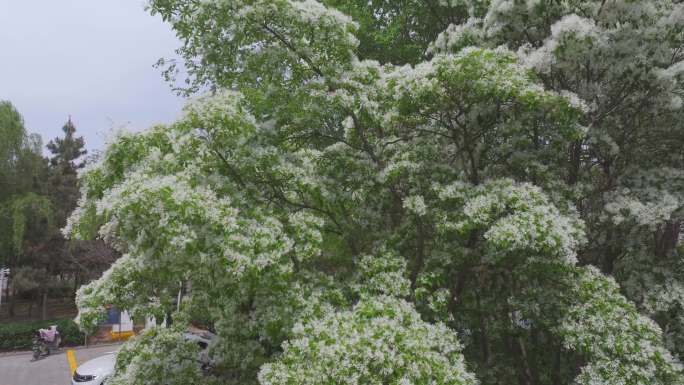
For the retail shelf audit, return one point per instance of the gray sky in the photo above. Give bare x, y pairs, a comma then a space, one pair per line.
91, 59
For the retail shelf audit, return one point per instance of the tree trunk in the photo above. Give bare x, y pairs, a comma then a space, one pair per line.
511, 351
575, 162
420, 254
556, 372
666, 238
523, 359
484, 337
10, 299
75, 283
43, 315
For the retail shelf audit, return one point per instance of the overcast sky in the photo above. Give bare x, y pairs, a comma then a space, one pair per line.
91, 59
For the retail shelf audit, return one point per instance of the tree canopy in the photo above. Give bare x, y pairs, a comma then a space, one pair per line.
22, 203
403, 192
36, 196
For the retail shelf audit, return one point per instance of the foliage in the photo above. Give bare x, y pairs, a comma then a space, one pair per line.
332, 215
28, 210
148, 354
13, 135
380, 341
21, 169
36, 195
629, 345
66, 160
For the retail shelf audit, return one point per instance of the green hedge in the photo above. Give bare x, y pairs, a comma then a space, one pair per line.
19, 336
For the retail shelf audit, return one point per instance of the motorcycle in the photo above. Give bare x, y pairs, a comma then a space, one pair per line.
45, 341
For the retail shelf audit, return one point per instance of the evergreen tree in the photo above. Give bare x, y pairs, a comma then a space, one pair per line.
80, 260
67, 158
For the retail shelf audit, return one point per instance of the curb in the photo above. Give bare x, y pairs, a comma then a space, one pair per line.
60, 351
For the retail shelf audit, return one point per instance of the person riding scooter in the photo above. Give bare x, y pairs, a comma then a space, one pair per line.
45, 341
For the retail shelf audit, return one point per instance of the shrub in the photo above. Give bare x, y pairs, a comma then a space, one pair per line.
19, 336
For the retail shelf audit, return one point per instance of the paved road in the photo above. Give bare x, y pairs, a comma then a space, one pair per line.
52, 370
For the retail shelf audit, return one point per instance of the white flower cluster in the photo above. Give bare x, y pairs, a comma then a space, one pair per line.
158, 356
384, 274
305, 20
223, 110
569, 28
655, 285
515, 218
381, 341
623, 206
457, 36
313, 11
622, 345
154, 196
306, 234
648, 197
415, 204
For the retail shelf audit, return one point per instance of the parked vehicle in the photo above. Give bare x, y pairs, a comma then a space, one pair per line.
45, 341
97, 370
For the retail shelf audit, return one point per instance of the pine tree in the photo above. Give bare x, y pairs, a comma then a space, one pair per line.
67, 158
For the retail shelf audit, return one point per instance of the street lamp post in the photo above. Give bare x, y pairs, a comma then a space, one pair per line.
4, 273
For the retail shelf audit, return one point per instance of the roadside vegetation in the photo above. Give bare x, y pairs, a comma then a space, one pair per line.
37, 193
19, 335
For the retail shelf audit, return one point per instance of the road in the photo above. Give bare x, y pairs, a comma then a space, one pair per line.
18, 369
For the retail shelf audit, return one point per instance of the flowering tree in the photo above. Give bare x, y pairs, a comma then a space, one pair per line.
433, 195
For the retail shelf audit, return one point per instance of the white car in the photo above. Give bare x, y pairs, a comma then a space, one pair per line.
97, 370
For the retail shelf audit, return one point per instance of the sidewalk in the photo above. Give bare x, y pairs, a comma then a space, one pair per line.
21, 352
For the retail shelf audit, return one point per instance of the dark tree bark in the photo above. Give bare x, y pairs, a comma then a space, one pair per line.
43, 314
666, 238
